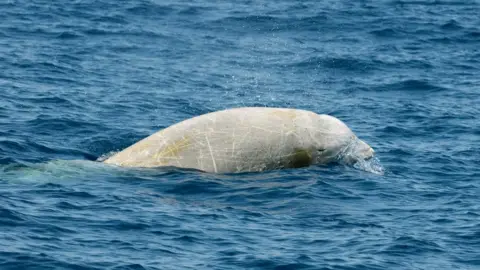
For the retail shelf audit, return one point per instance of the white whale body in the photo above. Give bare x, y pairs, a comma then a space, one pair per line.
248, 139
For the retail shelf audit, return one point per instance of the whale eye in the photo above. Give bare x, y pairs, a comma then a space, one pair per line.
320, 150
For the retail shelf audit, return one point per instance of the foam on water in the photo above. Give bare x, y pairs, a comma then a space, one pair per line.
372, 165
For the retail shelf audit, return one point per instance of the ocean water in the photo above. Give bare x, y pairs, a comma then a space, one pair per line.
82, 79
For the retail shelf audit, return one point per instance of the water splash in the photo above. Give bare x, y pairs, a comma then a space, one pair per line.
371, 165
354, 154
106, 156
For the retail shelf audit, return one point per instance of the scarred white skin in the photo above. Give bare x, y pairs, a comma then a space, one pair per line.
247, 140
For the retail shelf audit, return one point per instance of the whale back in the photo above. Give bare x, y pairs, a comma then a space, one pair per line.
235, 140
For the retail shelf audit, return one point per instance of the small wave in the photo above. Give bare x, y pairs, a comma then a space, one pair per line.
385, 32
409, 245
53, 100
8, 145
412, 86
473, 35
68, 206
111, 19
461, 36
48, 123
254, 262
396, 129
350, 64
7, 161
122, 33
263, 23
150, 9
124, 225
193, 10
451, 25
431, 3
129, 266
69, 35
38, 260
9, 217
106, 156
187, 239
191, 187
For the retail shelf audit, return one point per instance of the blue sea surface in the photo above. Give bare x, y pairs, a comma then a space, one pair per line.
82, 79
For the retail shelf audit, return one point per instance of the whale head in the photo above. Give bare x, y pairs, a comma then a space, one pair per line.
334, 142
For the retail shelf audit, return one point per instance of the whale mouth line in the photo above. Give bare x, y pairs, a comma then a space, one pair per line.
369, 158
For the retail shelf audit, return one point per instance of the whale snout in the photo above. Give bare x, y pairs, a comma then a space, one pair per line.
356, 151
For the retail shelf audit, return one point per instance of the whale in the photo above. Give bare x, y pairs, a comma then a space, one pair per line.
248, 139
